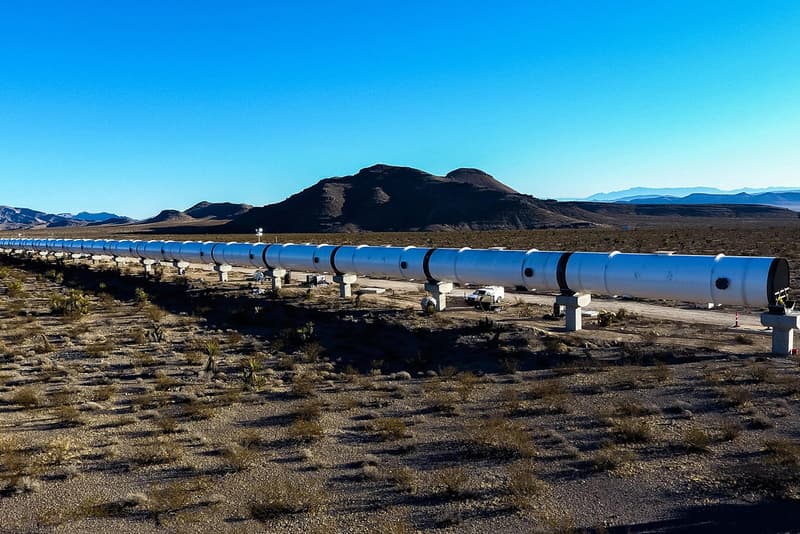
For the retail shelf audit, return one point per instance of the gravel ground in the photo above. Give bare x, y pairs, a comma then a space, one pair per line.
198, 407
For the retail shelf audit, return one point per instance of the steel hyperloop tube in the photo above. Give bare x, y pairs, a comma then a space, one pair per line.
734, 280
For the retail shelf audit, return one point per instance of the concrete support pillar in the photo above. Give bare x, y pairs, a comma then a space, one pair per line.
573, 305
783, 327
148, 266
439, 291
345, 282
223, 271
181, 266
276, 275
120, 261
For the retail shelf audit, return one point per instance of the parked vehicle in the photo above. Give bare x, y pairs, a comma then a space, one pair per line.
487, 298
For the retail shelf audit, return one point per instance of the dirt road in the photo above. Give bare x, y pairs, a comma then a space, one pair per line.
678, 312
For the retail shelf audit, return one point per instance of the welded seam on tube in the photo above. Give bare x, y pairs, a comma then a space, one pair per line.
426, 264
561, 272
333, 260
771, 274
264, 257
212, 254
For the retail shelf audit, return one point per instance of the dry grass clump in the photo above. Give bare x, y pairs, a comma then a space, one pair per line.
524, 488
309, 410
610, 457
547, 389
104, 393
777, 473
197, 409
443, 402
138, 336
510, 400
633, 408
15, 462
759, 421
465, 384
99, 349
761, 373
551, 395
250, 438
157, 451
389, 428
303, 385
228, 396
287, 495
43, 345
716, 377
143, 359
628, 431
729, 431
454, 481
784, 452
696, 440
238, 458
69, 415
404, 478
194, 357
662, 373
170, 499
627, 378
165, 382
63, 396
14, 288
499, 437
394, 526
735, 396
154, 313
305, 431
28, 397
61, 450
167, 424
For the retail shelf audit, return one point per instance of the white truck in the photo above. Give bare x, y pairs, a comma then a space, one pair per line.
487, 297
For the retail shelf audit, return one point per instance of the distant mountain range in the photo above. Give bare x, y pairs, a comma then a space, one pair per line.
391, 198
782, 199
23, 218
786, 197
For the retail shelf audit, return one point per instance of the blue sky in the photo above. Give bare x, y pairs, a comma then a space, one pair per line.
134, 107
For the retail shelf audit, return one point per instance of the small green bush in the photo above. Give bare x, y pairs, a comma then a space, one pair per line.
72, 304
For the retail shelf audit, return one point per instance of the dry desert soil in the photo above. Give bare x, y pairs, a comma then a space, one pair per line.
181, 404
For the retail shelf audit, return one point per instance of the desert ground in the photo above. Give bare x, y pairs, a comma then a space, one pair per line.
182, 404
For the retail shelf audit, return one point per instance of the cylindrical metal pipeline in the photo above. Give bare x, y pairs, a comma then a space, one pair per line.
734, 280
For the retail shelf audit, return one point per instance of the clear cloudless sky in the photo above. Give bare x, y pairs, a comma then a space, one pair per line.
137, 106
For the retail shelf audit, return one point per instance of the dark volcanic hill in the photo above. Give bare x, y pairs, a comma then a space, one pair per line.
201, 213
168, 216
217, 210
388, 198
